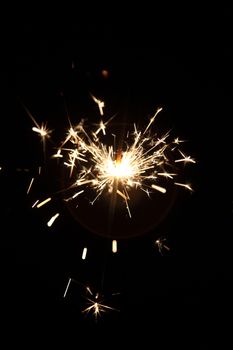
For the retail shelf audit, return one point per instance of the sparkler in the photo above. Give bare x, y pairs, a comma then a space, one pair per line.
139, 164
100, 165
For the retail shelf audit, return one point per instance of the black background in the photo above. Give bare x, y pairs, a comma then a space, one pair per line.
178, 57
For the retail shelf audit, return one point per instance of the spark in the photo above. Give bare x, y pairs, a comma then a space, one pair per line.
58, 154
100, 104
30, 185
35, 203
185, 159
167, 175
152, 119
102, 127
161, 245
67, 287
53, 218
159, 188
177, 141
42, 130
97, 306
84, 254
114, 246
122, 195
184, 185
43, 202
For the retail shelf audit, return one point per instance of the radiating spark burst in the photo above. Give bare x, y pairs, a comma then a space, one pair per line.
95, 300
42, 130
161, 245
141, 163
96, 305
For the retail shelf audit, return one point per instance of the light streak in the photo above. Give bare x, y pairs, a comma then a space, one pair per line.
185, 159
67, 287
35, 203
159, 188
53, 218
114, 246
84, 253
43, 202
152, 119
184, 185
30, 185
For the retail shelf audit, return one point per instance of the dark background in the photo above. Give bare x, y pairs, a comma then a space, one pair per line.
178, 57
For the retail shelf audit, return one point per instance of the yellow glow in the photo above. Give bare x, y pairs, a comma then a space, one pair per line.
43, 202
122, 168
114, 246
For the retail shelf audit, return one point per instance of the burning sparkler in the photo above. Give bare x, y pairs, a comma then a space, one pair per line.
140, 163
100, 165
